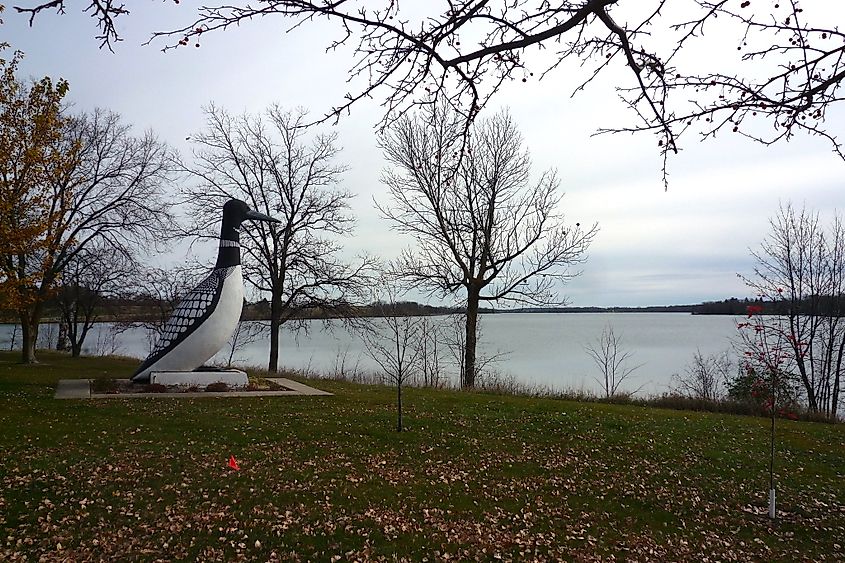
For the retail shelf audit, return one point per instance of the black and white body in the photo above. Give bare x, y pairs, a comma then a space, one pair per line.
206, 317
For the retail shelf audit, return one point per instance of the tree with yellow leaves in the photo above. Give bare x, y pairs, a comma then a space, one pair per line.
31, 127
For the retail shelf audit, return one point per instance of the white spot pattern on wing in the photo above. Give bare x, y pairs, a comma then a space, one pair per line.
191, 309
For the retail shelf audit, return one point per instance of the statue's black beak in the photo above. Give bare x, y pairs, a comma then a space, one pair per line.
256, 216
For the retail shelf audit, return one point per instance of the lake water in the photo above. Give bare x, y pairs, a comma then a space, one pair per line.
544, 349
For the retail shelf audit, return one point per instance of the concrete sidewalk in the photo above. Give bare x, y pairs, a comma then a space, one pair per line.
81, 389
73, 389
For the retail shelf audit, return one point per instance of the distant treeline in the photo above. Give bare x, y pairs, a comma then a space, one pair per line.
146, 308
815, 305
261, 310
732, 306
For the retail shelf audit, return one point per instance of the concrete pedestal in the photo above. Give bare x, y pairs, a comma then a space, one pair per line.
234, 378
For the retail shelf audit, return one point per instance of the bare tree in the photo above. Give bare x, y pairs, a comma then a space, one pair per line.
800, 271
706, 377
392, 341
480, 226
109, 194
245, 334
612, 360
785, 76
268, 162
431, 344
90, 277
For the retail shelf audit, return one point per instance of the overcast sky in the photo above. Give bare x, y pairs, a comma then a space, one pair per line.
655, 247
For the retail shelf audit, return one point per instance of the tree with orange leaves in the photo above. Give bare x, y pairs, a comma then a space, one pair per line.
31, 128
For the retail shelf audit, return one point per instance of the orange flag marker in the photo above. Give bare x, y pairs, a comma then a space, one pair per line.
233, 463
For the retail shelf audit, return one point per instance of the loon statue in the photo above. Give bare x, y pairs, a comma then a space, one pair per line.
205, 318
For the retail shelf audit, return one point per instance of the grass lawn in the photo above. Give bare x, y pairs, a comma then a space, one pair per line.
327, 478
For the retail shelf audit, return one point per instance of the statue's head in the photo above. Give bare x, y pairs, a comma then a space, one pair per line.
236, 212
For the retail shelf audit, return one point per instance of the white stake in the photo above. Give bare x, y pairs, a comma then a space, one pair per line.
772, 504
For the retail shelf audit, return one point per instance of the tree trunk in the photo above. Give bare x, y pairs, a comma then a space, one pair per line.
471, 340
78, 338
75, 341
62, 340
797, 337
399, 406
275, 325
837, 379
812, 400
29, 336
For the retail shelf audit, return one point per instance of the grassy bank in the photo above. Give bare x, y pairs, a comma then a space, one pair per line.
475, 477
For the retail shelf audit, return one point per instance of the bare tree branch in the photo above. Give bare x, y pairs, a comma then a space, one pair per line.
480, 226
105, 11
786, 76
